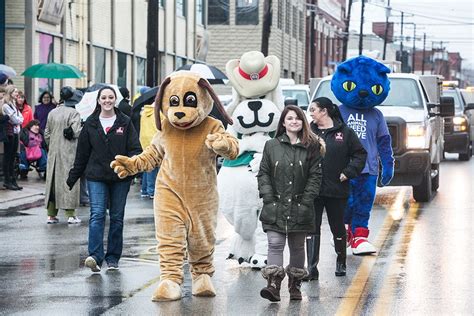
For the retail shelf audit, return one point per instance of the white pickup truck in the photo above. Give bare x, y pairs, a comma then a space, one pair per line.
414, 113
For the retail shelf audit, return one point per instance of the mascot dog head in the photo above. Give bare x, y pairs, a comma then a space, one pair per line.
361, 82
186, 100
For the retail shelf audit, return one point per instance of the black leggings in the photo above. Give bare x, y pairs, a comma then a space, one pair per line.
10, 147
335, 211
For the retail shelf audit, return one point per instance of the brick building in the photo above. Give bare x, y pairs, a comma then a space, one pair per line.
235, 27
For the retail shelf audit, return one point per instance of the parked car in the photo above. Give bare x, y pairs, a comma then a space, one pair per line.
298, 92
457, 129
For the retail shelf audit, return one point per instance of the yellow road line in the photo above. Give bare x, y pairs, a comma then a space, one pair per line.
384, 301
354, 293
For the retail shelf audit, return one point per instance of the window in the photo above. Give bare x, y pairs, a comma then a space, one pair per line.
218, 12
46, 55
200, 12
302, 27
99, 65
246, 12
180, 62
280, 14
162, 3
141, 71
294, 33
181, 8
121, 69
287, 22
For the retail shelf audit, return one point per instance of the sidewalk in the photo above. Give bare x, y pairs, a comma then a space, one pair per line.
32, 195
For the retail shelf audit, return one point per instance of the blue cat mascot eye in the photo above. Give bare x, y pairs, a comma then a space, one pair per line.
360, 84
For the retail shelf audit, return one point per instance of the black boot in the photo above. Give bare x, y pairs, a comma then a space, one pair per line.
295, 276
14, 184
7, 182
312, 255
340, 247
274, 275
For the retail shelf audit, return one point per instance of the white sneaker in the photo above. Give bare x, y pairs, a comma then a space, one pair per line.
92, 264
73, 220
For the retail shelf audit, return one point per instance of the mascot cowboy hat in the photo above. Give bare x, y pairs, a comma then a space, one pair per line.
245, 73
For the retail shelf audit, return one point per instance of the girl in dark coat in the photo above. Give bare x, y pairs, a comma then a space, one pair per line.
345, 159
288, 181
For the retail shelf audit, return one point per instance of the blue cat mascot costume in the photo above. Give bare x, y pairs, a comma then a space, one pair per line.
360, 84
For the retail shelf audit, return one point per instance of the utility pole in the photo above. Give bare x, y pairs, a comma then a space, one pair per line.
267, 23
414, 48
312, 39
401, 41
387, 15
361, 33
152, 52
423, 61
346, 32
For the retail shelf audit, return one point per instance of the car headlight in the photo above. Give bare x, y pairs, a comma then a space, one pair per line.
459, 124
416, 136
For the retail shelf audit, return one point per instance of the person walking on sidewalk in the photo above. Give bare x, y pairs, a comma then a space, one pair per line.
288, 181
345, 158
61, 133
106, 133
10, 145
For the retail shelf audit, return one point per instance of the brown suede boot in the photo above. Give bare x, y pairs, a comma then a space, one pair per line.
274, 275
295, 275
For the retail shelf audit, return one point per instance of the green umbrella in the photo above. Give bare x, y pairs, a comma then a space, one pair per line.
53, 71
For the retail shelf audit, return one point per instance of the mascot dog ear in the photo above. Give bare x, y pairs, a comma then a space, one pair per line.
159, 100
205, 85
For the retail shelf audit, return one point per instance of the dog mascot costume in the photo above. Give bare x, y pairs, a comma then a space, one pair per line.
255, 111
185, 148
360, 84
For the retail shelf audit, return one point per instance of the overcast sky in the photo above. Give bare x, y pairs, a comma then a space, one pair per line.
450, 21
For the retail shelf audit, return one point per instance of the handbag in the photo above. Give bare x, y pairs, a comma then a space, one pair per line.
33, 153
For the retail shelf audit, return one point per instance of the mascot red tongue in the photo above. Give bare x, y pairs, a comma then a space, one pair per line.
360, 84
255, 111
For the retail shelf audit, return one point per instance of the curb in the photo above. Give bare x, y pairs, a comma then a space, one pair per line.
22, 203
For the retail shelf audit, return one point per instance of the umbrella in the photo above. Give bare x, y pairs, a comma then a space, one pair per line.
89, 100
53, 71
211, 73
147, 98
7, 70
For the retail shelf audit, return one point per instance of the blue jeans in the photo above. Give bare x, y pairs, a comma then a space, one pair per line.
41, 163
148, 182
100, 195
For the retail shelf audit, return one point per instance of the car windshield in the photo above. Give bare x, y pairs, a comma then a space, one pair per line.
457, 101
300, 95
403, 92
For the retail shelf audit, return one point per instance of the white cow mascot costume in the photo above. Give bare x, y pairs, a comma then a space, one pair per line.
255, 109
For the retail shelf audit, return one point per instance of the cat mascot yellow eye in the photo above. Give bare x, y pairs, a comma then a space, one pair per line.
377, 89
349, 85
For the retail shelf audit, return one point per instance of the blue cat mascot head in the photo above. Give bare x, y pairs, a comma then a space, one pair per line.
361, 83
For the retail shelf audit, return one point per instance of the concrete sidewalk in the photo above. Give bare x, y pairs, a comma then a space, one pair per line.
32, 195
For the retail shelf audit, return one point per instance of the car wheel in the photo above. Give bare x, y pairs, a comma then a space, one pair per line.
422, 192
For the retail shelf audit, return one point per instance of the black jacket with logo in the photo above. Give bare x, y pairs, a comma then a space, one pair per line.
344, 154
96, 150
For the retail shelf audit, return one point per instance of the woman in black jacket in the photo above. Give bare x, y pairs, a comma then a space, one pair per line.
345, 158
106, 133
288, 181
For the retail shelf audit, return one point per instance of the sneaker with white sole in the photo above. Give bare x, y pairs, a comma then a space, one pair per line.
92, 264
73, 220
112, 266
52, 220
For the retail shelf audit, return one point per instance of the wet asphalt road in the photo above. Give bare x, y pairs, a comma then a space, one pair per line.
423, 265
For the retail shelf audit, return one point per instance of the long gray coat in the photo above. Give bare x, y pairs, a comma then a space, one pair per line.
61, 155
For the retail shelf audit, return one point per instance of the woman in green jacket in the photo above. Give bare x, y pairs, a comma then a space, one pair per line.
288, 181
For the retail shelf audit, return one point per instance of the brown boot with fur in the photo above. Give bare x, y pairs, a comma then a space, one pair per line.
295, 275
274, 275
